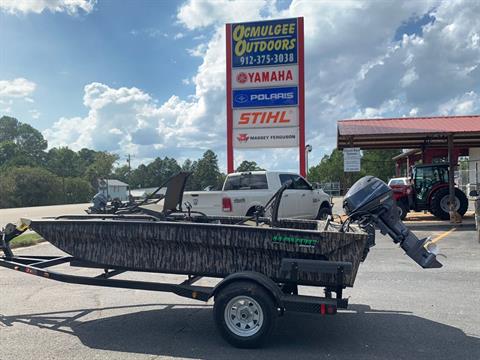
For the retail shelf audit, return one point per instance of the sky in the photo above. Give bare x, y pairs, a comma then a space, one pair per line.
147, 78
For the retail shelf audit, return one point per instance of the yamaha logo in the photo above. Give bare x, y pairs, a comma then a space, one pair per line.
242, 78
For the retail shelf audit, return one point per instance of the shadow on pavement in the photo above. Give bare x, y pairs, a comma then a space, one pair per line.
189, 331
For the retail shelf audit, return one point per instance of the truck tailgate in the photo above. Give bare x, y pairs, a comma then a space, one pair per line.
208, 202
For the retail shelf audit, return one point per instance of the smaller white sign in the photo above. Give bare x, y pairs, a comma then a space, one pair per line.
351, 159
265, 138
265, 118
260, 77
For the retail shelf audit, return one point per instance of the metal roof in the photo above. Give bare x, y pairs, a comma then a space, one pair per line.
114, 182
395, 133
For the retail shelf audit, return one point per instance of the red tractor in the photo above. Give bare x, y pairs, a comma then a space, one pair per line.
428, 190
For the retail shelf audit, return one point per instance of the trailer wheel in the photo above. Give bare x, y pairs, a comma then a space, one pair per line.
245, 314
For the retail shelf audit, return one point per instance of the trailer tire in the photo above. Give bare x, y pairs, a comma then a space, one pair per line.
439, 203
245, 314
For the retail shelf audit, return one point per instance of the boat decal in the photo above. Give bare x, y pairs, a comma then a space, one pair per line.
293, 240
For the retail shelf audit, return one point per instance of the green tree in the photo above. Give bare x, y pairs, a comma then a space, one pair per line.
139, 177
65, 162
207, 172
160, 170
87, 156
101, 167
248, 166
190, 166
379, 163
77, 190
29, 186
30, 143
122, 173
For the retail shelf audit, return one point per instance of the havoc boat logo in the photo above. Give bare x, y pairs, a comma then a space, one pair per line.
242, 137
279, 239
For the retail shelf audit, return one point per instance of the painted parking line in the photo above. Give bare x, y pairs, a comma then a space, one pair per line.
444, 234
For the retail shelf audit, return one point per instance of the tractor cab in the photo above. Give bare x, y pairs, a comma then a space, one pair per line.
425, 180
428, 190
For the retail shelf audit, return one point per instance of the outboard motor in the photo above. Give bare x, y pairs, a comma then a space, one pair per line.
99, 204
370, 200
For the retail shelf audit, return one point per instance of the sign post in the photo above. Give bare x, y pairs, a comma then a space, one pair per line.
265, 87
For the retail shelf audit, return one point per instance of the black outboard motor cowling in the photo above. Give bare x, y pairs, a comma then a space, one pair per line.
370, 200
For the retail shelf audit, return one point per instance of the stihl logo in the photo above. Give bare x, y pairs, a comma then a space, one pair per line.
257, 77
267, 117
273, 96
242, 137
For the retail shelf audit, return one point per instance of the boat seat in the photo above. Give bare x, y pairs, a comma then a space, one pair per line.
172, 201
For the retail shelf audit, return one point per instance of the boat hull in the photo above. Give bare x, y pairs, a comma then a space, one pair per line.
215, 250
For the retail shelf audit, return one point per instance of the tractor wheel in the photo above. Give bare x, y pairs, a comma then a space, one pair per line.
402, 209
439, 204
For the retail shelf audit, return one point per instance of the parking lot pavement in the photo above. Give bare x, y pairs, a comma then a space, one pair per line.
14, 214
397, 311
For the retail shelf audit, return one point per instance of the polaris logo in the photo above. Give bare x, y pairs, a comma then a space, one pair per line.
242, 98
273, 96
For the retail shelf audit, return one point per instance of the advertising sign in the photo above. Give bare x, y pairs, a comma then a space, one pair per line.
265, 138
261, 118
257, 77
265, 86
351, 159
264, 43
265, 97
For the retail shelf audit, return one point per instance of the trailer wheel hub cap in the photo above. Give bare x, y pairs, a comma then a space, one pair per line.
243, 316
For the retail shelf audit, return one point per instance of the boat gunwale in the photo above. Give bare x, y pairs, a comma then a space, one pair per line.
186, 223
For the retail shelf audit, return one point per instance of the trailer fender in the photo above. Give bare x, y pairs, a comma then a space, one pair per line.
268, 284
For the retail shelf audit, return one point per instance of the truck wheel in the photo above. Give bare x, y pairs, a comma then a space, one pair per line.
245, 314
439, 204
323, 213
402, 209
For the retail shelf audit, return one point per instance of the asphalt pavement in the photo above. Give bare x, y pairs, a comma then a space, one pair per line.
397, 311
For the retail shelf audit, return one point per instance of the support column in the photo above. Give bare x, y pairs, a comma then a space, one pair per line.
454, 216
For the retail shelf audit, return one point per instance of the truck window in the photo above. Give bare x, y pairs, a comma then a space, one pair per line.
246, 182
298, 182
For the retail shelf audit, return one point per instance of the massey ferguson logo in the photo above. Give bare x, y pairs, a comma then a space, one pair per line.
259, 77
243, 138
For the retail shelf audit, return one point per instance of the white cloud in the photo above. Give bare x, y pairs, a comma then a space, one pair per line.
35, 114
71, 7
17, 88
354, 68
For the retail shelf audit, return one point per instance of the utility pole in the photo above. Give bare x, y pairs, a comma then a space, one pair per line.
129, 173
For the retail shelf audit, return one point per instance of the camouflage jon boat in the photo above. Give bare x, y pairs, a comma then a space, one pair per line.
208, 246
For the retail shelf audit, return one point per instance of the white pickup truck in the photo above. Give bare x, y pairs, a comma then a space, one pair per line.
242, 192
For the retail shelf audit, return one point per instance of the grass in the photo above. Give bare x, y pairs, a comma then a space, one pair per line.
27, 239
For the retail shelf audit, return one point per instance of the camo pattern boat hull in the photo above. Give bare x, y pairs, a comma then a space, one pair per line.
206, 249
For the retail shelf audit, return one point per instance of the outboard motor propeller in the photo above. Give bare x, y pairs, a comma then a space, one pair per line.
370, 200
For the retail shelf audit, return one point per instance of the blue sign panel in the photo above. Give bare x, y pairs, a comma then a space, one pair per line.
264, 43
282, 96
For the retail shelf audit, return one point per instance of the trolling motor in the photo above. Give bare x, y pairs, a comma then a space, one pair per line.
370, 201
